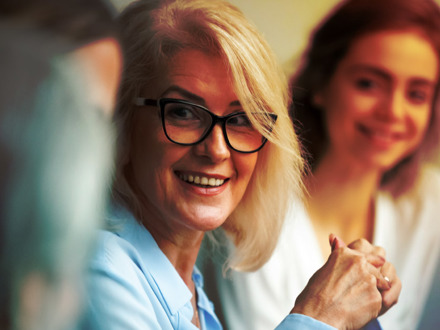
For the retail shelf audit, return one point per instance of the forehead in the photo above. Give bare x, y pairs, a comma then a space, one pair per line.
198, 72
407, 53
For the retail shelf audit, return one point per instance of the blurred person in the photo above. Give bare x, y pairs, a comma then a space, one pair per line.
430, 318
87, 25
367, 112
205, 142
55, 154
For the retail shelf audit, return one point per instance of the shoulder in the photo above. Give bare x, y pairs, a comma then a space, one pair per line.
111, 249
414, 214
429, 181
423, 197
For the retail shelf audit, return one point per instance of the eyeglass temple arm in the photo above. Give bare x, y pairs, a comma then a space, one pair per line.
140, 101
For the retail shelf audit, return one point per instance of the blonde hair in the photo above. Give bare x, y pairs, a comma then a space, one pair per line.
152, 33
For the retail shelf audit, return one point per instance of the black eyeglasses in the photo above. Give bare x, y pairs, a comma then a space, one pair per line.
186, 123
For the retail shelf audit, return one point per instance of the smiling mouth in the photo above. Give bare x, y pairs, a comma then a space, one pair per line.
202, 181
381, 136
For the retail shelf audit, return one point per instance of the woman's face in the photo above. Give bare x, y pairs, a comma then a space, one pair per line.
161, 166
378, 102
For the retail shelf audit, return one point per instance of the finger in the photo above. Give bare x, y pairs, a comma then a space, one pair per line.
389, 272
378, 250
374, 254
361, 245
391, 296
381, 282
335, 242
376, 260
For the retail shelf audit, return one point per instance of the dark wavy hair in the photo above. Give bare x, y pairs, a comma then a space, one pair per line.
330, 42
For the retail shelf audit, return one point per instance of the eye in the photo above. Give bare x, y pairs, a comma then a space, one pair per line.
185, 115
239, 121
366, 84
418, 96
180, 112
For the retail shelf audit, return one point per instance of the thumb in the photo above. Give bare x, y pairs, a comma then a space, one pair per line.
335, 242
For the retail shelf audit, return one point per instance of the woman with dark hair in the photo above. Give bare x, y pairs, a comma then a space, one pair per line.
366, 108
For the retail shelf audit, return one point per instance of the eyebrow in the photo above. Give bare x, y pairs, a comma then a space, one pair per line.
387, 76
191, 96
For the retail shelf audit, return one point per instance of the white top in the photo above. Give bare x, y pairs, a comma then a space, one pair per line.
408, 228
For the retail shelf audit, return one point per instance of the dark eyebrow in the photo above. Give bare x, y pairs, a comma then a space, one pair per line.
422, 82
371, 69
387, 76
191, 96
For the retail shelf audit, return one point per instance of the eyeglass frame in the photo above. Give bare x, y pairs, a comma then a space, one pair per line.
160, 103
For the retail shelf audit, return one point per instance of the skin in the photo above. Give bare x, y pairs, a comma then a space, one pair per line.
177, 213
377, 106
102, 64
349, 290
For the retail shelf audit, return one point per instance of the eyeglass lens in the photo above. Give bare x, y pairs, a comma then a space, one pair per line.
188, 124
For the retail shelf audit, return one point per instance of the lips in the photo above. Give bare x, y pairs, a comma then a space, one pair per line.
202, 180
381, 136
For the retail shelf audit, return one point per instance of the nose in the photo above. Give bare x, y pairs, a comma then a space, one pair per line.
213, 146
393, 107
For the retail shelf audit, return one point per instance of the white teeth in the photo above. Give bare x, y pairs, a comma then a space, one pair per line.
204, 181
383, 136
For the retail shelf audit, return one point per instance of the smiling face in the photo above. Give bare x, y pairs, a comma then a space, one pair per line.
189, 188
378, 102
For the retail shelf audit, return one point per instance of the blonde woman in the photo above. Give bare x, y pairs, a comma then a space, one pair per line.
205, 142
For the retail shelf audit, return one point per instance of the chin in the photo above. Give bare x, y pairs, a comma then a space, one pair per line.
208, 218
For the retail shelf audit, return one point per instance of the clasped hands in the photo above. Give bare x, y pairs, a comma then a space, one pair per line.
354, 286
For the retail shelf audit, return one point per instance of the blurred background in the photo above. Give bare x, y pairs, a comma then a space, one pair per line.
286, 24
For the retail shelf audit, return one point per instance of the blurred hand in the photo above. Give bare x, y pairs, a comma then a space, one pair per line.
349, 290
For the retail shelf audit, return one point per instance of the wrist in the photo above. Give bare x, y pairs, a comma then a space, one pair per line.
317, 314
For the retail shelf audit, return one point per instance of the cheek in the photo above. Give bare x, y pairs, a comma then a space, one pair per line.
343, 100
245, 166
421, 122
149, 156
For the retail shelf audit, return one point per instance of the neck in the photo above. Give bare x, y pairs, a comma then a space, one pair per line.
182, 251
180, 244
341, 201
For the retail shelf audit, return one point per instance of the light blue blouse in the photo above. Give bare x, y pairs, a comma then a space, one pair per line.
133, 285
